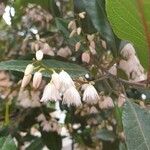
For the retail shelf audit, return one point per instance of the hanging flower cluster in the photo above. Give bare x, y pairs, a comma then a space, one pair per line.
60, 87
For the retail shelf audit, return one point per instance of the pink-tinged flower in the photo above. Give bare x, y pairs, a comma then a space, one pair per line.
39, 55
50, 93
72, 97
65, 81
55, 80
29, 69
128, 51
26, 80
90, 95
106, 103
37, 78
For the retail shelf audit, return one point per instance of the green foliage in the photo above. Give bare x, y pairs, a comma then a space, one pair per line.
20, 65
136, 126
96, 11
126, 23
7, 143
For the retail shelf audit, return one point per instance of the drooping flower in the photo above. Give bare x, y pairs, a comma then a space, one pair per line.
72, 97
50, 93
90, 95
37, 78
65, 81
39, 55
55, 80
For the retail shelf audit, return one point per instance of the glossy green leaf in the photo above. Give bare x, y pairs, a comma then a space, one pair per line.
96, 10
19, 65
126, 23
7, 143
136, 123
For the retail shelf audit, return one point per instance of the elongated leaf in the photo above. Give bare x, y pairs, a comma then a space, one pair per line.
136, 123
96, 11
7, 143
123, 15
20, 65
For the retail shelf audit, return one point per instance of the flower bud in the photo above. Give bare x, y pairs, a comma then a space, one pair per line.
79, 30
82, 15
92, 47
37, 78
72, 33
72, 24
39, 55
104, 44
77, 46
25, 81
90, 37
29, 69
85, 57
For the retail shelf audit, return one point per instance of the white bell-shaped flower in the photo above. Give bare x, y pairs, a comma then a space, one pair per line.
72, 97
65, 81
55, 80
50, 93
90, 94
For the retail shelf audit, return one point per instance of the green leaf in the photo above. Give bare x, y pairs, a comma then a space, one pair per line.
7, 143
36, 144
19, 65
136, 123
126, 23
96, 10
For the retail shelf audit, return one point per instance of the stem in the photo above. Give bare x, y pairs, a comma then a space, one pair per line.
7, 113
146, 30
